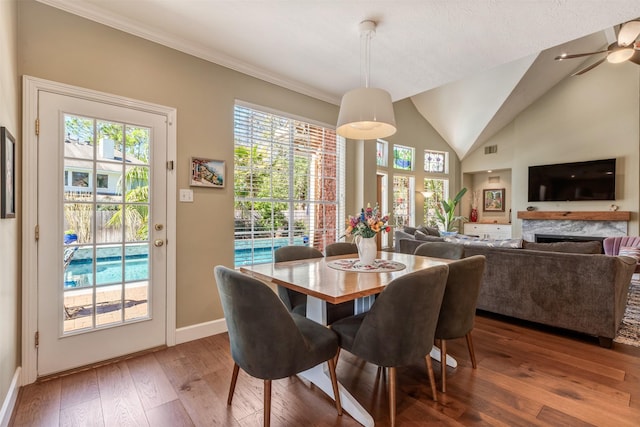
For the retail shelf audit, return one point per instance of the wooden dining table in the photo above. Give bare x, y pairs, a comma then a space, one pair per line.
323, 283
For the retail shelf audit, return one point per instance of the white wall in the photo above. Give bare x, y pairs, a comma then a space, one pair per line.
593, 116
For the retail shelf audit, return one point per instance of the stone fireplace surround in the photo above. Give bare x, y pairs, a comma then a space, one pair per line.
574, 224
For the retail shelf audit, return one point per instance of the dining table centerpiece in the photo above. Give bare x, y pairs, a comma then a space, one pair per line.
364, 228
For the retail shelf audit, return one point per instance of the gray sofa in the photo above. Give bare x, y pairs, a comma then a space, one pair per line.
552, 285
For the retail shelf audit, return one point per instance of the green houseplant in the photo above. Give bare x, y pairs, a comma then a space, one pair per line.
446, 214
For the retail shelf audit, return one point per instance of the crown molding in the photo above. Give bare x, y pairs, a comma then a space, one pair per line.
216, 57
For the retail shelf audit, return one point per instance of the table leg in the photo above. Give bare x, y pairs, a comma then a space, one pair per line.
319, 375
435, 354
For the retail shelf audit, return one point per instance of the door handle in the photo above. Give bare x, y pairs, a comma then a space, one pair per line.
158, 242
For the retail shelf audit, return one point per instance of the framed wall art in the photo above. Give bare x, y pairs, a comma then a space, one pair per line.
493, 200
207, 173
8, 171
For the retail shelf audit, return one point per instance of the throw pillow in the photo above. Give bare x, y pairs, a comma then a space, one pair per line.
591, 247
630, 251
430, 231
410, 230
427, 238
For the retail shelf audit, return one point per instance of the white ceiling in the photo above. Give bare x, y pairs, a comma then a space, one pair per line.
486, 50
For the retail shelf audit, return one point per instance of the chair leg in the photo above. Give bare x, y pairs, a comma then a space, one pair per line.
334, 383
234, 378
432, 379
472, 353
443, 364
267, 403
392, 395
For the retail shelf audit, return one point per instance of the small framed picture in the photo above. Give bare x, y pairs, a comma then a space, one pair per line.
8, 171
207, 173
493, 200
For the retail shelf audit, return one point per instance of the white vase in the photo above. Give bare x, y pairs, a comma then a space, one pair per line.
367, 249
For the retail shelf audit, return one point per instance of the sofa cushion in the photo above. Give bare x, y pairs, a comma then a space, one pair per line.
591, 247
427, 237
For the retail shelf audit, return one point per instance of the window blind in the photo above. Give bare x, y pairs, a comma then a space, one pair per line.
288, 184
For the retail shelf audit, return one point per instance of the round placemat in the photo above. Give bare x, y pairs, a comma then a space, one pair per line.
379, 265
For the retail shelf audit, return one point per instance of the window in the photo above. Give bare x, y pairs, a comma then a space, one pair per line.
436, 190
80, 179
435, 161
288, 184
103, 181
382, 153
402, 200
402, 158
383, 179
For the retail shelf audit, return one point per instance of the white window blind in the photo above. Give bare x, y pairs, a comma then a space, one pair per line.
288, 184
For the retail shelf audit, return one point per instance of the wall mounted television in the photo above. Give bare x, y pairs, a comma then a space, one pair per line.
591, 180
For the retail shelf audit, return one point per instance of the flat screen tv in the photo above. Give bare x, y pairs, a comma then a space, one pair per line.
592, 180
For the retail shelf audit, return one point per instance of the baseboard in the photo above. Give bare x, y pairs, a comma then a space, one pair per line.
201, 330
10, 400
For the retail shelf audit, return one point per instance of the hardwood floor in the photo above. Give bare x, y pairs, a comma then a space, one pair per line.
525, 377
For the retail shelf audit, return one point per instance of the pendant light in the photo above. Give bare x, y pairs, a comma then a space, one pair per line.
366, 113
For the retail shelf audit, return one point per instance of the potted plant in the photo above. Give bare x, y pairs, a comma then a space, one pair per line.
446, 214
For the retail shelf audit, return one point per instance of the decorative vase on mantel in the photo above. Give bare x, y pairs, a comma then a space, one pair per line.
367, 249
473, 217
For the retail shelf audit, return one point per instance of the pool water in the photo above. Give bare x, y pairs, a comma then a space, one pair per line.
79, 274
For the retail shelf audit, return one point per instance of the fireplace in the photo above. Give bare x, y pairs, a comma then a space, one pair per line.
591, 223
551, 238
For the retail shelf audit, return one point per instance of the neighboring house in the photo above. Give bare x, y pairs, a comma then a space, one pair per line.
78, 175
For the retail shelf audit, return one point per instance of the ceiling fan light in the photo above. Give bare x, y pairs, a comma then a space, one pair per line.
366, 113
620, 55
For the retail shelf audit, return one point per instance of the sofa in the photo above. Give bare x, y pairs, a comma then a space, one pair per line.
569, 285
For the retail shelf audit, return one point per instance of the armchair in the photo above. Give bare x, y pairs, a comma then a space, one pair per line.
623, 245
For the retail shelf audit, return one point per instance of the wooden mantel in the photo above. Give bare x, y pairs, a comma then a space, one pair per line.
576, 215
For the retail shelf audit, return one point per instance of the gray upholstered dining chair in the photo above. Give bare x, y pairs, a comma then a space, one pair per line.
458, 309
296, 302
440, 250
266, 340
399, 327
340, 248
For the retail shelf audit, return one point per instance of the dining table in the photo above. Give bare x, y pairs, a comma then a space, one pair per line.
339, 279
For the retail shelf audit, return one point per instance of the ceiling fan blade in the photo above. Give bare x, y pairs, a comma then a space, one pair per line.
636, 56
578, 55
590, 67
629, 33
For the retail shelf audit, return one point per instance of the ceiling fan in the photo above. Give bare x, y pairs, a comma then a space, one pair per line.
626, 48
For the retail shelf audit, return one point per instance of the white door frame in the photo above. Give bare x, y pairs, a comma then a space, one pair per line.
30, 88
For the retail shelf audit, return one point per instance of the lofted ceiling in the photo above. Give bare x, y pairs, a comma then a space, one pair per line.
469, 66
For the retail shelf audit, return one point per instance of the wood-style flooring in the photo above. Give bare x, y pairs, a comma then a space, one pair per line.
526, 377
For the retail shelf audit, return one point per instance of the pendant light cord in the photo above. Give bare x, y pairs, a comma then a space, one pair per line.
365, 52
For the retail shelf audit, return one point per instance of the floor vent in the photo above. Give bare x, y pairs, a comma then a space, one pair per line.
490, 149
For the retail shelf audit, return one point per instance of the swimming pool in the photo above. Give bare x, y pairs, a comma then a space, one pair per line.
80, 273
260, 251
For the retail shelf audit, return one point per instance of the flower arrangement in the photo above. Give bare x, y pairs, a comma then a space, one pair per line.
368, 223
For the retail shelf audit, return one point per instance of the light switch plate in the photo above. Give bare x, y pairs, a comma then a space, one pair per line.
186, 195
